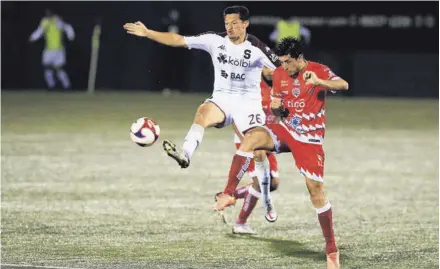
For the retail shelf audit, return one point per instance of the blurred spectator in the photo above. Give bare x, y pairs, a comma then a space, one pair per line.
290, 29
54, 55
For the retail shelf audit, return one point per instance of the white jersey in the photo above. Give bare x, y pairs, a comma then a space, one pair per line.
237, 68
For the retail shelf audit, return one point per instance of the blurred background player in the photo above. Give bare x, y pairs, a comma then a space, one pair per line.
293, 29
239, 60
54, 54
252, 195
303, 87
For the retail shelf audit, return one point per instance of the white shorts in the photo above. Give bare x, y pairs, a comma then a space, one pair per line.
244, 112
55, 58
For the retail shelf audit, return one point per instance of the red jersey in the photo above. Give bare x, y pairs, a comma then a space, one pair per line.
306, 103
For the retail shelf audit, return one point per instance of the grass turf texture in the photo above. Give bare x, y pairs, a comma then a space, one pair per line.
77, 192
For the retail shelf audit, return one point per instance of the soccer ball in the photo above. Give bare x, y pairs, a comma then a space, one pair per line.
144, 132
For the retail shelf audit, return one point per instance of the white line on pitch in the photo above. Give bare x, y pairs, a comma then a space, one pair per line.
37, 266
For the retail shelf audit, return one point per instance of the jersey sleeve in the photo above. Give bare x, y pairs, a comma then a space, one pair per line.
202, 41
326, 73
270, 60
268, 57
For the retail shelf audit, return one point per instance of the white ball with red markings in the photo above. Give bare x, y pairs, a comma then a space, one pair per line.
144, 132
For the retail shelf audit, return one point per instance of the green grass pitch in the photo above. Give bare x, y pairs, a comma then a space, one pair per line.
76, 192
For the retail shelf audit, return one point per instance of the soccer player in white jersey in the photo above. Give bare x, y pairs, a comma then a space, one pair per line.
54, 54
239, 59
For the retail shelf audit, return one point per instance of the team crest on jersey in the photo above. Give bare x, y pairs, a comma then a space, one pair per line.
296, 92
296, 82
295, 121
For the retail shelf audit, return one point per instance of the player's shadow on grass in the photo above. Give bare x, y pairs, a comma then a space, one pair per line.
286, 247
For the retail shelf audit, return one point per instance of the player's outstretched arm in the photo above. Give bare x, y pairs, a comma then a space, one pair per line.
37, 34
333, 84
69, 31
169, 39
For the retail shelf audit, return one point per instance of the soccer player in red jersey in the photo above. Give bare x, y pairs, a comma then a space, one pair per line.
252, 192
300, 100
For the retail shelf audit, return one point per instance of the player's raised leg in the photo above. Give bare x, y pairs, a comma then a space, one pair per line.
256, 138
271, 185
274, 177
240, 193
207, 115
251, 194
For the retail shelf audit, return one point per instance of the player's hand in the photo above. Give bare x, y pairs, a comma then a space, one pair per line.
277, 107
311, 78
137, 28
276, 103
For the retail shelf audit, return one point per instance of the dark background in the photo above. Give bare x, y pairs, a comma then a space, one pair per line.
381, 48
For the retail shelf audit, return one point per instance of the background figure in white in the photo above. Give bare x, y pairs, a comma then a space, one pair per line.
54, 54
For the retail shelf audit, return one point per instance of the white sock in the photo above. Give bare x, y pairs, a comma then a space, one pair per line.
48, 76
193, 139
64, 78
262, 171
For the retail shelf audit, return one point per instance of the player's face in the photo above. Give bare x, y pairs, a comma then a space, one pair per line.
291, 65
234, 26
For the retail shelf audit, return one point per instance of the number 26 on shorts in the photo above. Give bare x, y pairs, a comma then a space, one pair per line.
255, 118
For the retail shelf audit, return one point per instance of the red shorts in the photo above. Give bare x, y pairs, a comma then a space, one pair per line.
309, 158
272, 162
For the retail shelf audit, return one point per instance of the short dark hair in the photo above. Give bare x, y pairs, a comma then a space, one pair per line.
289, 46
241, 10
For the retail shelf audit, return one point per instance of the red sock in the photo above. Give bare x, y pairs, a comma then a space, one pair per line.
249, 203
240, 193
326, 221
239, 166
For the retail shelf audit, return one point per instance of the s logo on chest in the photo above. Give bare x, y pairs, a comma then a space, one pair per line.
247, 54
